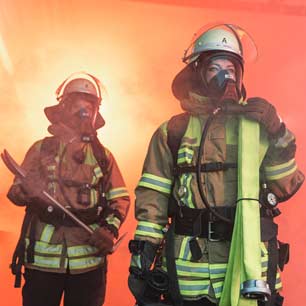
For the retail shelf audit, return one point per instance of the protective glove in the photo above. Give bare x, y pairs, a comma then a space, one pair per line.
261, 111
265, 113
32, 187
103, 240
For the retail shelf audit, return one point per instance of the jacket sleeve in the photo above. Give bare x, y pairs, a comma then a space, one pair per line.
154, 188
31, 165
117, 196
280, 169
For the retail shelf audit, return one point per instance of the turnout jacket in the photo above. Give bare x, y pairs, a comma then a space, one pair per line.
204, 277
60, 246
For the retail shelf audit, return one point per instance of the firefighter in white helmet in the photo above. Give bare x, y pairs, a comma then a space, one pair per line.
61, 258
192, 182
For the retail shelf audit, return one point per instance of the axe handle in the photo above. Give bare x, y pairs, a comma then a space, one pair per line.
68, 212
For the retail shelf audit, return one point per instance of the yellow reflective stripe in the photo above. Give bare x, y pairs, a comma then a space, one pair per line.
94, 226
89, 156
98, 174
280, 171
145, 228
194, 287
51, 187
156, 183
188, 268
278, 283
264, 257
185, 180
194, 128
218, 287
135, 261
46, 262
47, 233
46, 248
190, 202
185, 155
111, 219
217, 270
185, 249
117, 193
93, 197
51, 167
83, 263
81, 250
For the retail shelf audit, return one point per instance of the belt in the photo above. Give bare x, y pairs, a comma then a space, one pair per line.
201, 223
57, 217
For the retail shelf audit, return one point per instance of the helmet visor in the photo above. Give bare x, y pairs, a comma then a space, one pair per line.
223, 37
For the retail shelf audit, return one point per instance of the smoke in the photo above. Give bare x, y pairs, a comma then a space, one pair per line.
135, 49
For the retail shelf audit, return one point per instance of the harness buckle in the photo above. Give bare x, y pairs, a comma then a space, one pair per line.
211, 231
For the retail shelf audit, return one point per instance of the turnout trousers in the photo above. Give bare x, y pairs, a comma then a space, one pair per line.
47, 288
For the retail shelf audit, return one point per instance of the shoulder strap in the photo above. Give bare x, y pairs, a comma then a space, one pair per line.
176, 128
100, 154
50, 146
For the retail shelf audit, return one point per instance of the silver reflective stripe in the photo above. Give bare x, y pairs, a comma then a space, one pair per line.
156, 183
83, 263
194, 288
81, 250
117, 193
218, 287
46, 248
217, 270
46, 262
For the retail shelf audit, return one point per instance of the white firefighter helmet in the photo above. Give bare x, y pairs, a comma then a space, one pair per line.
218, 39
221, 37
80, 82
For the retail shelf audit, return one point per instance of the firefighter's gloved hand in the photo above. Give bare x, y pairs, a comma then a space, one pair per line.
36, 200
33, 187
262, 111
103, 240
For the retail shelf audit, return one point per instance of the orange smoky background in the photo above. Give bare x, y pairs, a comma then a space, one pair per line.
135, 49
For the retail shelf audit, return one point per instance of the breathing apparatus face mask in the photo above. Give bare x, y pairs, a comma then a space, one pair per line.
223, 88
221, 77
80, 115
